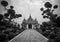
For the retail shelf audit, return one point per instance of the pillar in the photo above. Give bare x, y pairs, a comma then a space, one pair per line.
32, 26
27, 26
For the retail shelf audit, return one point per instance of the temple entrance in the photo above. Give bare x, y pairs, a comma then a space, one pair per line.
30, 26
30, 23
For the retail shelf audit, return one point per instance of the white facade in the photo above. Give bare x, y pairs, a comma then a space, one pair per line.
30, 23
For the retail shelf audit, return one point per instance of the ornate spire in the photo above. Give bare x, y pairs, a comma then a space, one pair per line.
30, 16
35, 19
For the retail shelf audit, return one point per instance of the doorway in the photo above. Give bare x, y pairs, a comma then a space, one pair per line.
30, 26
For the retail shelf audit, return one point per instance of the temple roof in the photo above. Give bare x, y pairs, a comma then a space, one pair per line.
30, 20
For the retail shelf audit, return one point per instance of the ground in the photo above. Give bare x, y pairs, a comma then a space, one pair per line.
29, 35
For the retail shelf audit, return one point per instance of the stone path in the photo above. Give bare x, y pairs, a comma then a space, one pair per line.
29, 35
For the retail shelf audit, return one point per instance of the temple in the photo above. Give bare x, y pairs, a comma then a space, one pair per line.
30, 23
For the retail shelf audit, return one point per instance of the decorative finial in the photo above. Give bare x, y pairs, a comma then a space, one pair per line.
35, 19
30, 15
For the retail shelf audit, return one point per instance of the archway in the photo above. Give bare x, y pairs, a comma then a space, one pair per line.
30, 26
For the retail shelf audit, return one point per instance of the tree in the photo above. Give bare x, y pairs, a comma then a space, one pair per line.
48, 13
4, 3
11, 13
7, 30
54, 19
1, 17
2, 37
57, 39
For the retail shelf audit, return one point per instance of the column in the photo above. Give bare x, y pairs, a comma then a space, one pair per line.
27, 26
32, 26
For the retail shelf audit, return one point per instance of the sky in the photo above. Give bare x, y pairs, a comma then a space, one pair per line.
29, 7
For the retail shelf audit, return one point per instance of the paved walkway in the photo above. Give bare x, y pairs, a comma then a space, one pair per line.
29, 35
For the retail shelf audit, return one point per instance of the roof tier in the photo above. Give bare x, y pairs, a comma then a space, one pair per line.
30, 20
